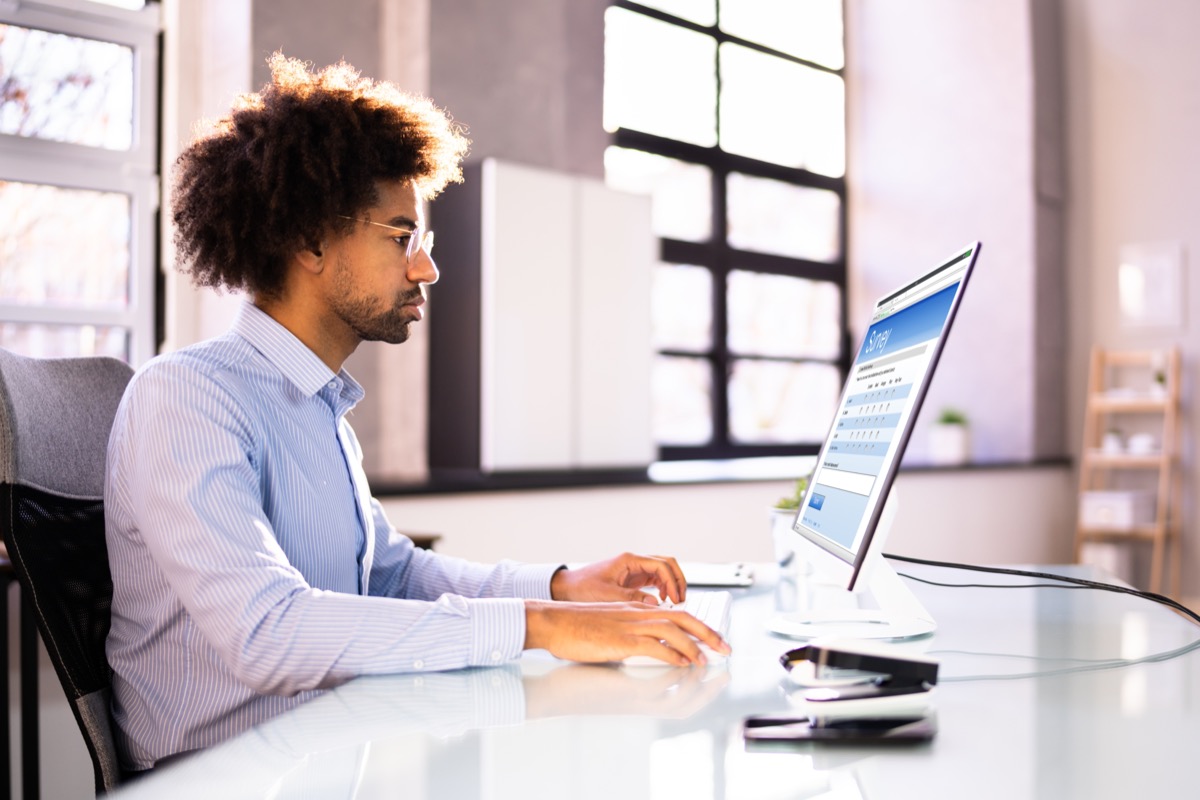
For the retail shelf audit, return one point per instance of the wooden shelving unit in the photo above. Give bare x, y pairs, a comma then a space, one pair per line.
1157, 404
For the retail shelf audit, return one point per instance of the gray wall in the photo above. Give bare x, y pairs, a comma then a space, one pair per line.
526, 78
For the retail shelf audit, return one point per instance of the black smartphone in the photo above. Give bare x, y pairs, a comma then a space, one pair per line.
773, 728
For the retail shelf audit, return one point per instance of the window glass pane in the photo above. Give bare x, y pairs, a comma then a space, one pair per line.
769, 216
680, 193
811, 30
777, 315
64, 247
778, 111
682, 401
780, 402
65, 89
703, 12
659, 78
64, 341
682, 316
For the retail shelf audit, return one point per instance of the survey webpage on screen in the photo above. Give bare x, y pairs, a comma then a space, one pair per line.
883, 385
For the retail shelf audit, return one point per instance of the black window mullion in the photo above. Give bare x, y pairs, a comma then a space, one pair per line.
720, 35
717, 158
720, 299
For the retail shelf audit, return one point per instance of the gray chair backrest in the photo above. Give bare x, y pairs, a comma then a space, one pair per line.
55, 418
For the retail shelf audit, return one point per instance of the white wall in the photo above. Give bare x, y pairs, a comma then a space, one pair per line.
1133, 104
980, 516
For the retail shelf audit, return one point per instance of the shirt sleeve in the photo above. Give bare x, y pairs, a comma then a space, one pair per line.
400, 569
187, 487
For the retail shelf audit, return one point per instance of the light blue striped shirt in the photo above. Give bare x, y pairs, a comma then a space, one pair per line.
251, 566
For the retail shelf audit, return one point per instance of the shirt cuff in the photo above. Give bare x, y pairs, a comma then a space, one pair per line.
497, 631
532, 581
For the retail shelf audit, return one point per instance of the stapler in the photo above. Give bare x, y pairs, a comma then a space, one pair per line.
854, 662
852, 691
855, 680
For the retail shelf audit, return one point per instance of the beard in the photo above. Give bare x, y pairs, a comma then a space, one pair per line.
363, 315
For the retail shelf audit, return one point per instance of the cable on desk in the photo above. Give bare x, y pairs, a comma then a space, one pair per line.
1061, 582
1081, 582
989, 585
1115, 663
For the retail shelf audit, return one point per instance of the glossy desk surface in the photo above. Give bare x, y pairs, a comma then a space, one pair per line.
1026, 709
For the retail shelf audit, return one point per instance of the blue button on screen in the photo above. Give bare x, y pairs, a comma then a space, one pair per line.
817, 501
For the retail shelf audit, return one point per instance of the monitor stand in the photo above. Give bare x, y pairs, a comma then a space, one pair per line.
880, 606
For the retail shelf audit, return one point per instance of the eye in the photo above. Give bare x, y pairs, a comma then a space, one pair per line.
402, 240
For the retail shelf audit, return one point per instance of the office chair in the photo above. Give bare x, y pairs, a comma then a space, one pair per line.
55, 417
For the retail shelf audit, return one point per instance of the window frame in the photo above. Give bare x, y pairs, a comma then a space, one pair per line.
133, 172
720, 258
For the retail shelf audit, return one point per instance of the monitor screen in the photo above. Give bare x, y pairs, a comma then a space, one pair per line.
883, 393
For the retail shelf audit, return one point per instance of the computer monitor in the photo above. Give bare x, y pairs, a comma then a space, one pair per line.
848, 508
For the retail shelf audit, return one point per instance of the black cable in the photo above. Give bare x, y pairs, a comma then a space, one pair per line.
1108, 587
1071, 583
1115, 663
989, 585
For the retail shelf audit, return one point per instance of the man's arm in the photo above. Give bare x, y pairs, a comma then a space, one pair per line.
606, 615
400, 569
184, 485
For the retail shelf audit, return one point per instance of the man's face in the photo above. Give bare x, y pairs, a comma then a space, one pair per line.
375, 290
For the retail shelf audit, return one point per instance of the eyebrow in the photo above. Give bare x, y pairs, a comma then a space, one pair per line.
402, 221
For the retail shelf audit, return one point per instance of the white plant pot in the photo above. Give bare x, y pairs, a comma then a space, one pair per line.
949, 444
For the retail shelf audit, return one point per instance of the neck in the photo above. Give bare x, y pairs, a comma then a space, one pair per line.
312, 329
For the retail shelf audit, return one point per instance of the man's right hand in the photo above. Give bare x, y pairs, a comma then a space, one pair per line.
598, 632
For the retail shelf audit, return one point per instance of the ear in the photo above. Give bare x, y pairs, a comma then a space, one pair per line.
312, 259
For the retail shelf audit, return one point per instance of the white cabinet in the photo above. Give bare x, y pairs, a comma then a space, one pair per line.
541, 348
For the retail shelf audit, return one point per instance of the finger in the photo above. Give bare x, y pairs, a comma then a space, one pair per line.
676, 572
642, 598
663, 573
699, 630
649, 645
675, 637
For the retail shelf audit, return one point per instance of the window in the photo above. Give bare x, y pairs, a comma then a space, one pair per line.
730, 115
79, 188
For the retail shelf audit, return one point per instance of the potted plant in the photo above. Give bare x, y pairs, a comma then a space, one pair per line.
783, 514
1159, 387
950, 438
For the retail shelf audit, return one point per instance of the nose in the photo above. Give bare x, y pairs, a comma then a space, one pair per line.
423, 269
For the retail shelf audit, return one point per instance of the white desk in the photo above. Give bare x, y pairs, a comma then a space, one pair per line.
544, 730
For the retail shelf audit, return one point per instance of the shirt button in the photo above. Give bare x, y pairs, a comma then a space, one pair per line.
497, 655
418, 664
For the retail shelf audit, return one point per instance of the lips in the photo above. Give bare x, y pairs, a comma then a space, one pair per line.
414, 301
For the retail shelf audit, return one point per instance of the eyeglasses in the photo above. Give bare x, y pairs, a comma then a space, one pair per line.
418, 238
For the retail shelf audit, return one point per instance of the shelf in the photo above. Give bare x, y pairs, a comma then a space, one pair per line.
1103, 460
1148, 532
1114, 390
1128, 405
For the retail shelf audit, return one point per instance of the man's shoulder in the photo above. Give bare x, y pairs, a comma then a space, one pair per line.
226, 363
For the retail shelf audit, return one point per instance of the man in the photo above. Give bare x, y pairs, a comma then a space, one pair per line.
251, 567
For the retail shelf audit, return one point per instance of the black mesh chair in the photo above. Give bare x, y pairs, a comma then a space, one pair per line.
55, 417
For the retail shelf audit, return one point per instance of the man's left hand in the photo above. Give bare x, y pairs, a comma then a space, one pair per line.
621, 579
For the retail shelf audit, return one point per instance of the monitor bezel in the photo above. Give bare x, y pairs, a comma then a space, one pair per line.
852, 567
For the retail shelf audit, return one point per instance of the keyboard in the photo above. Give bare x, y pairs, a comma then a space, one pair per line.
711, 608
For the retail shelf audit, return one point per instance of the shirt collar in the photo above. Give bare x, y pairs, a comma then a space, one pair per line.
291, 357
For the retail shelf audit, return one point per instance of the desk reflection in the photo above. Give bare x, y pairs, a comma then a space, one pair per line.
413, 735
